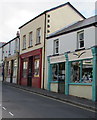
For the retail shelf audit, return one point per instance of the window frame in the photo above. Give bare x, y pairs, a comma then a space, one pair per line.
25, 70
80, 71
24, 42
79, 40
56, 47
38, 35
31, 39
35, 68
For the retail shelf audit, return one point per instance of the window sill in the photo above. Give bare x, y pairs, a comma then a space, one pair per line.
80, 83
30, 46
54, 81
24, 49
57, 54
37, 44
79, 49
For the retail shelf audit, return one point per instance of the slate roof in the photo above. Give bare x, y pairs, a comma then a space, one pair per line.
75, 26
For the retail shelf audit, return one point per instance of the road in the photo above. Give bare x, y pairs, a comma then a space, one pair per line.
18, 103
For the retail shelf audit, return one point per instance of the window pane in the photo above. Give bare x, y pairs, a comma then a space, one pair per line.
30, 39
75, 71
87, 71
58, 72
36, 68
61, 72
56, 46
24, 41
81, 44
38, 39
15, 68
80, 39
55, 72
25, 66
81, 36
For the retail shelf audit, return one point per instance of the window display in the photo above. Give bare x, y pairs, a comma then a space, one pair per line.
58, 72
25, 66
36, 68
15, 68
8, 68
81, 71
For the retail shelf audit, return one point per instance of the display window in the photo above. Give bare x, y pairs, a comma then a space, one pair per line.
8, 68
81, 71
36, 68
15, 68
58, 72
25, 67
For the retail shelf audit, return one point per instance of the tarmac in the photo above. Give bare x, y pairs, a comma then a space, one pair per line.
82, 102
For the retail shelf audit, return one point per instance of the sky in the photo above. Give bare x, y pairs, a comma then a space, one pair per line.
14, 13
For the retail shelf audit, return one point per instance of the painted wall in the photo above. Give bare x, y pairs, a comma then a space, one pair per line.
66, 39
32, 26
81, 91
12, 46
61, 17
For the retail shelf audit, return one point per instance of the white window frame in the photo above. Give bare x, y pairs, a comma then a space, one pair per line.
79, 40
38, 36
24, 41
31, 39
56, 46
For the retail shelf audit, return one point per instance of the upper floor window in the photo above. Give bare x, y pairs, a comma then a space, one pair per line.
30, 39
24, 42
38, 37
9, 48
80, 39
56, 46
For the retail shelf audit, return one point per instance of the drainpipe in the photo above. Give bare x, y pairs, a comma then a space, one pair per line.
44, 50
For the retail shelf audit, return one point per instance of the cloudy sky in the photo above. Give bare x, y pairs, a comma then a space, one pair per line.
14, 13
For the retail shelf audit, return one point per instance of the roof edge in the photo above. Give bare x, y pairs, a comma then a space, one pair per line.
71, 30
68, 3
10, 41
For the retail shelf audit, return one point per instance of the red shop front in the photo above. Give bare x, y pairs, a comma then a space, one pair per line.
30, 68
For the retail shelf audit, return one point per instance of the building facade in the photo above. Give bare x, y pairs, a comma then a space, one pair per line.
33, 42
1, 64
10, 58
72, 60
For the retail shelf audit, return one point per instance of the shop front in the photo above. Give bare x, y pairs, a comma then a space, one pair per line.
56, 73
30, 68
11, 69
74, 73
81, 80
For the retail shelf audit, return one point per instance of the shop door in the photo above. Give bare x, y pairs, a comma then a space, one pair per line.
30, 71
61, 77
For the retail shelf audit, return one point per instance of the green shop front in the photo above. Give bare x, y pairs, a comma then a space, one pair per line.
74, 73
56, 73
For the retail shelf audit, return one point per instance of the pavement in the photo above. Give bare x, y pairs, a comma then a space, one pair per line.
82, 102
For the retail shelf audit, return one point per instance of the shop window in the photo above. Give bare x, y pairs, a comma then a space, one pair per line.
80, 39
58, 72
56, 46
81, 71
38, 35
30, 39
25, 66
36, 68
8, 68
15, 68
24, 42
